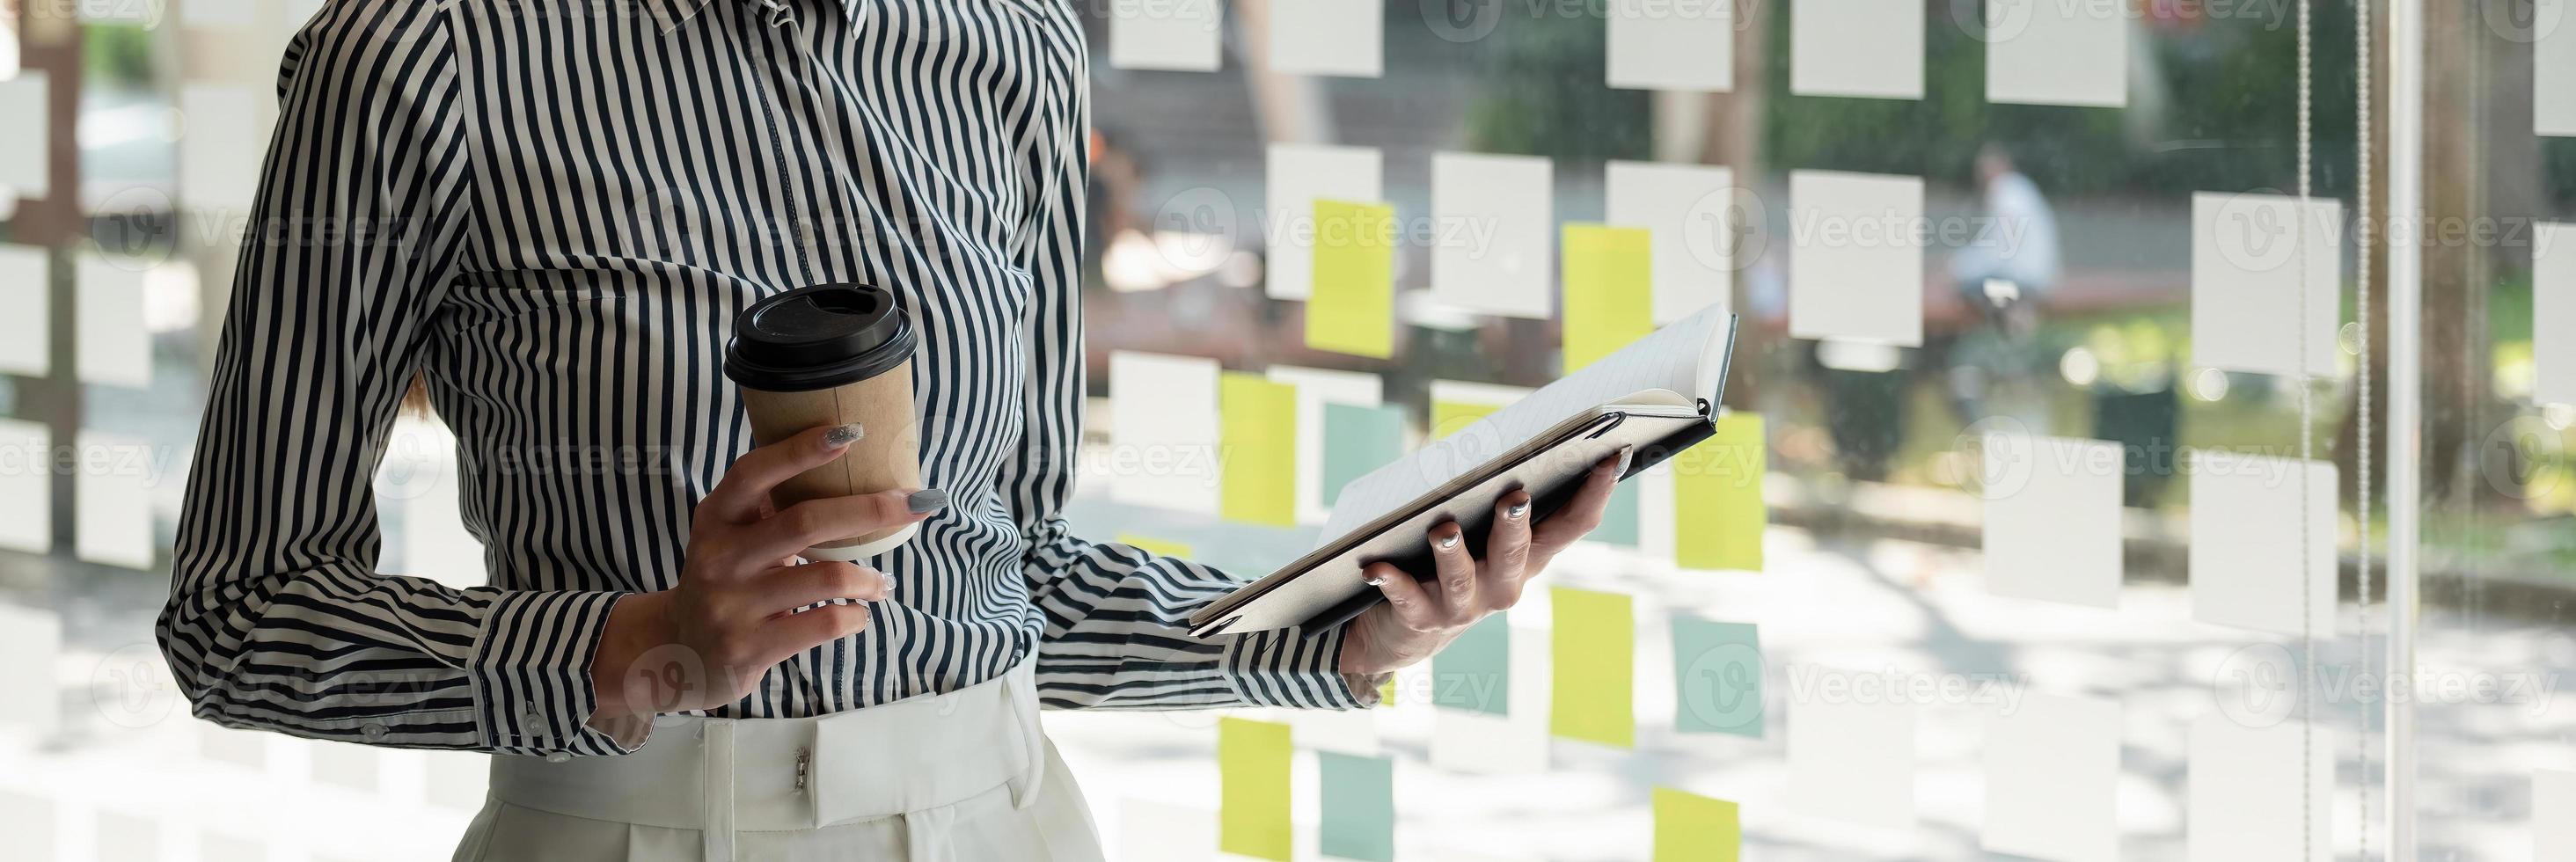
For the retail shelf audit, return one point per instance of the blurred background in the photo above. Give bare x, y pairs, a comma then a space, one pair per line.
134, 129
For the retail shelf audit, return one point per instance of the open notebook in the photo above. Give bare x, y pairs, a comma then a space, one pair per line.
1659, 395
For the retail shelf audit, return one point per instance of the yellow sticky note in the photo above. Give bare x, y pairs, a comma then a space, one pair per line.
1352, 307
1386, 692
1594, 646
1157, 547
1258, 435
1252, 761
1694, 828
1717, 498
1449, 417
1609, 279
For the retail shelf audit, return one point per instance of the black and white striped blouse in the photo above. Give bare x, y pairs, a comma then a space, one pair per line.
552, 212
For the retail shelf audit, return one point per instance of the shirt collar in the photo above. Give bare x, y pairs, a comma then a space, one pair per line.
668, 15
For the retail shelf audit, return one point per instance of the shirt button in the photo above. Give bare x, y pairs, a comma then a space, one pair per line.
557, 757
531, 714
374, 731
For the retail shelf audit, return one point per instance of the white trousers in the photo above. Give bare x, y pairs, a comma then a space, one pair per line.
960, 777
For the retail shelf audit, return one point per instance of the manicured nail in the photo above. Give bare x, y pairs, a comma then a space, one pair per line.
1627, 455
890, 582
927, 500
844, 435
1518, 508
1375, 581
1448, 541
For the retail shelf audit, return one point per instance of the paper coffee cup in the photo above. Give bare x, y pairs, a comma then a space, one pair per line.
833, 354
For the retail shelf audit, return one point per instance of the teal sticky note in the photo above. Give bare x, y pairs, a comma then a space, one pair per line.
1356, 441
1619, 522
1358, 808
1475, 672
1719, 677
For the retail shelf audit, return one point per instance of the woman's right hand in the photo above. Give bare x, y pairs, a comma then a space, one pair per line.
734, 614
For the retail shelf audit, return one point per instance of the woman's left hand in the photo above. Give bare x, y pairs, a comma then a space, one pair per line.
1419, 618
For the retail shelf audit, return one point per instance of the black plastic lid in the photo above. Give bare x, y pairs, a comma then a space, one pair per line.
818, 337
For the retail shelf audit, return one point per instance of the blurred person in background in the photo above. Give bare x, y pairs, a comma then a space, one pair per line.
2002, 274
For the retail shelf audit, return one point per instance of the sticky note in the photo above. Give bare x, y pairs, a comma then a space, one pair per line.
1171, 35
2042, 52
1701, 229
1865, 48
1353, 307
114, 346
215, 847
26, 290
1318, 388
1672, 46
127, 838
24, 140
2052, 521
1356, 441
1260, 455
26, 495
1451, 417
1358, 807
2052, 767
2246, 312
1718, 510
1157, 547
1619, 518
1856, 256
1491, 252
1253, 764
1694, 828
220, 147
31, 642
1164, 430
1475, 671
1717, 677
2553, 814
1595, 665
1852, 759
1609, 291
113, 511
1328, 37
1296, 176
28, 820
2553, 309
2244, 789
1479, 743
2553, 68
2245, 555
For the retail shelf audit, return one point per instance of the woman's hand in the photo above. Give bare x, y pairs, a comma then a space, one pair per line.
734, 614
1418, 619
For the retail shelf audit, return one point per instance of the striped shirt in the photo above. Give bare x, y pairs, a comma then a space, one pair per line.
552, 214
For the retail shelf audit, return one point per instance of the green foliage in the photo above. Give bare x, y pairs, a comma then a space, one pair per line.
117, 55
1545, 95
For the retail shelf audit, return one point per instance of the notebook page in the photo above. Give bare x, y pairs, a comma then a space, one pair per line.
1686, 357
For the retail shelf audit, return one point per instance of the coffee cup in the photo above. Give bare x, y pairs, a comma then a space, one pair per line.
833, 354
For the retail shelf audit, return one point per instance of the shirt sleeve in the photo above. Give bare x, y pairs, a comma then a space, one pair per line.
277, 619
1116, 632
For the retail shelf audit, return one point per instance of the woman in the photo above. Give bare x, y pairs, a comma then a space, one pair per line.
552, 215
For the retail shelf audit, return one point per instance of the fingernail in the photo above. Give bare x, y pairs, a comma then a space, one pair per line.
890, 583
1375, 581
1627, 455
1448, 541
843, 435
927, 500
1518, 508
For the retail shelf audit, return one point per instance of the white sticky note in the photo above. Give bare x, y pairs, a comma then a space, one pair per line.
1163, 430
2553, 310
1515, 743
1868, 48
1699, 222
1494, 214
2245, 784
345, 765
113, 508
29, 822
127, 838
2245, 279
1150, 831
31, 641
1853, 761
2052, 522
2553, 68
1173, 35
2553, 814
1856, 257
114, 346
1317, 387
221, 147
2052, 772
2245, 551
1665, 45
26, 290
218, 14
26, 492
23, 140
2052, 52
1298, 176
219, 847
1328, 37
